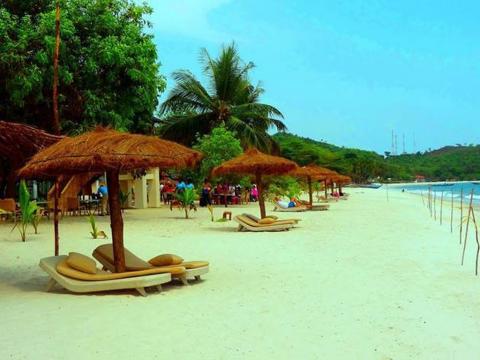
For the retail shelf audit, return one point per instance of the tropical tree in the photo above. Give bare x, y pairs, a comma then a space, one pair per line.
108, 71
229, 98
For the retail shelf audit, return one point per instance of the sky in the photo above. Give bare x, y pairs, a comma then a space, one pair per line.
348, 72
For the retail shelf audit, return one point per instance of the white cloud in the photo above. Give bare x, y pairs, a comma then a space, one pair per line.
187, 18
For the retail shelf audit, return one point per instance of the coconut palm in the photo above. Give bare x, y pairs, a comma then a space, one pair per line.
231, 99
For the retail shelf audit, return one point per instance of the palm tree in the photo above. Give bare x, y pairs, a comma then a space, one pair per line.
192, 110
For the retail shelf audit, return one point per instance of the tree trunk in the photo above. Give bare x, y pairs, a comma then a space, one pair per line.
261, 201
56, 116
326, 190
310, 191
116, 221
55, 216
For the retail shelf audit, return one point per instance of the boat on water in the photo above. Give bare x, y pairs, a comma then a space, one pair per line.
444, 184
370, 186
476, 182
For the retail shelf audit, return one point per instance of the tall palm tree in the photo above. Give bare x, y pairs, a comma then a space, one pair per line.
231, 99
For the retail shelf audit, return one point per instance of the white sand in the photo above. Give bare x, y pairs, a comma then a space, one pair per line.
368, 279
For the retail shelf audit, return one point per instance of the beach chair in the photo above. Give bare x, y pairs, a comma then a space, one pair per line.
277, 220
74, 280
193, 269
280, 208
9, 208
245, 223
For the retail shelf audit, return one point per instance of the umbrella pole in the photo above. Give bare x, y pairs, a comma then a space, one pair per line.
55, 216
261, 202
116, 221
326, 190
310, 191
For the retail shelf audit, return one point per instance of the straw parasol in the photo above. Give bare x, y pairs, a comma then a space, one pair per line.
18, 143
310, 173
110, 151
254, 162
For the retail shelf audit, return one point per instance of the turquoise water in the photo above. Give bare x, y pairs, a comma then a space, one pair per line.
456, 188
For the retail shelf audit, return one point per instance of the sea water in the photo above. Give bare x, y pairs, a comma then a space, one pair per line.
447, 189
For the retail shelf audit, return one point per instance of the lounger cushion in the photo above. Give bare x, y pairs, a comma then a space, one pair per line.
194, 264
266, 221
82, 263
64, 269
132, 262
166, 260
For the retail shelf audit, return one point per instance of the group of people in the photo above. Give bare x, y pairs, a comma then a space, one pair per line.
234, 194
168, 189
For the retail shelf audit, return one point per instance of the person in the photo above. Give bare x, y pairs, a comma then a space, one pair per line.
180, 186
254, 193
205, 198
189, 184
103, 193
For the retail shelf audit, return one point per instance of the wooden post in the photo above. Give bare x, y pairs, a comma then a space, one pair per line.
441, 209
430, 200
310, 190
451, 216
476, 238
56, 116
466, 228
435, 205
461, 214
326, 189
261, 201
55, 216
116, 220
423, 201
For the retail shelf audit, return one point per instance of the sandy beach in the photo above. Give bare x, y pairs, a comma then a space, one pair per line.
368, 279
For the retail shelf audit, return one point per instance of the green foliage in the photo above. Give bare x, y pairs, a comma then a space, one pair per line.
28, 210
108, 67
93, 224
460, 162
186, 199
284, 186
123, 197
219, 146
232, 100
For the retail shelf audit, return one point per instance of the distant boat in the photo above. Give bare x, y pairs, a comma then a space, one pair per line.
370, 186
444, 184
476, 182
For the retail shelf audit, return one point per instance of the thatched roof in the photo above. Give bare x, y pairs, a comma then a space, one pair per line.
106, 149
19, 142
255, 162
342, 179
314, 172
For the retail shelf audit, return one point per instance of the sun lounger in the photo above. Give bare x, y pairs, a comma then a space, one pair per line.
247, 224
277, 220
104, 254
81, 282
279, 208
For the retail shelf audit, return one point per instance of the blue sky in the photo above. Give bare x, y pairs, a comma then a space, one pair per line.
348, 72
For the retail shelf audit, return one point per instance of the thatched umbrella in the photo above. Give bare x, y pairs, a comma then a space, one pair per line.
18, 143
341, 180
113, 152
312, 173
254, 162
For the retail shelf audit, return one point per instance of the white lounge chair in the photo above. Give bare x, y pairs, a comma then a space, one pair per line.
80, 282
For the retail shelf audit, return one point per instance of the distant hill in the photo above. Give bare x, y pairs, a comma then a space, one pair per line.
447, 163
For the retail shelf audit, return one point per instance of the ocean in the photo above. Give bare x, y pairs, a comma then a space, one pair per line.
456, 188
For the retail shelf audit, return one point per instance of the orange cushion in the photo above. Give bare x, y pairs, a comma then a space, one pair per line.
266, 221
166, 260
81, 263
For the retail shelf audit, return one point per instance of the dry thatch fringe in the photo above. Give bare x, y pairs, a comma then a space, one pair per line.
314, 172
255, 162
106, 149
19, 142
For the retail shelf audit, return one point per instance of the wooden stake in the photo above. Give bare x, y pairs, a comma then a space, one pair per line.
461, 214
451, 216
476, 238
423, 201
430, 201
435, 205
310, 190
466, 227
441, 209
55, 216
56, 116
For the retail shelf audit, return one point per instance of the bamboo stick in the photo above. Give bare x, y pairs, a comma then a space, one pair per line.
466, 227
435, 205
451, 216
441, 209
461, 214
476, 238
430, 200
